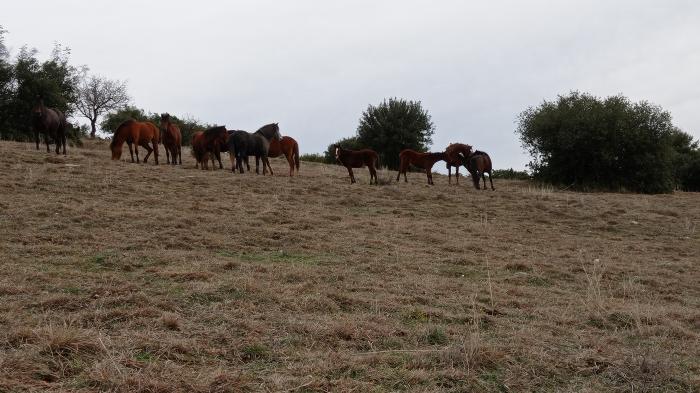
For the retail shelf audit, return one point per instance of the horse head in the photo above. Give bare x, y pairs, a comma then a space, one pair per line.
336, 149
38, 109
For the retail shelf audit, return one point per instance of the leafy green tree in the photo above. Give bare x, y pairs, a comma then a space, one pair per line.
97, 96
6, 78
392, 126
612, 143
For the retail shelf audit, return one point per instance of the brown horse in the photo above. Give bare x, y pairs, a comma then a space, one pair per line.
357, 159
51, 122
456, 156
171, 137
420, 160
138, 133
477, 164
199, 151
210, 144
290, 148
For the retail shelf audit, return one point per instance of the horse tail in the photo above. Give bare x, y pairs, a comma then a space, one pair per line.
296, 155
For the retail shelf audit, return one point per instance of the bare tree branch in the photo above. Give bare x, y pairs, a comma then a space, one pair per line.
97, 96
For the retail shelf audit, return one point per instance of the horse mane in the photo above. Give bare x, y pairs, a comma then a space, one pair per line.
273, 126
116, 132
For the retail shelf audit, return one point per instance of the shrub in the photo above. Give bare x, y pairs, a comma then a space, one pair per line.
510, 174
586, 142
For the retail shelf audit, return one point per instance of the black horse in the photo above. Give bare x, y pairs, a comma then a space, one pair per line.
242, 144
51, 122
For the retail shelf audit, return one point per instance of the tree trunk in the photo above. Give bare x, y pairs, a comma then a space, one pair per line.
93, 130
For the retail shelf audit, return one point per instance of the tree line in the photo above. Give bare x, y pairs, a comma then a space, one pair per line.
69, 88
578, 140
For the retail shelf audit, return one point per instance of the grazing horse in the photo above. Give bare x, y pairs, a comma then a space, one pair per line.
457, 153
420, 160
477, 164
290, 148
242, 144
138, 133
357, 159
171, 137
51, 122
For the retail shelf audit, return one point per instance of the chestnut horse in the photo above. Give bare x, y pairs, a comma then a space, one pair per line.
209, 144
138, 133
199, 152
357, 159
51, 122
171, 137
290, 148
477, 164
457, 153
420, 160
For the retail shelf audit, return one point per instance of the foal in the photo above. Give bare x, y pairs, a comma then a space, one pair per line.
357, 159
420, 160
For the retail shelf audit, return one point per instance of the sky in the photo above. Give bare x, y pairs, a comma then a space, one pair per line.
315, 65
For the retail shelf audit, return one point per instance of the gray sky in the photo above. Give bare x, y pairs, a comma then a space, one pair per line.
315, 65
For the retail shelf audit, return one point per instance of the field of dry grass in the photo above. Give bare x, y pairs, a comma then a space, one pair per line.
123, 277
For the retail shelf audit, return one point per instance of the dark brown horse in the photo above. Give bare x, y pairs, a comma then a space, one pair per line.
477, 164
138, 133
210, 144
421, 160
171, 137
199, 151
357, 159
51, 122
457, 153
290, 148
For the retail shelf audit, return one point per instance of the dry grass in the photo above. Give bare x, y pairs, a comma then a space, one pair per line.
123, 277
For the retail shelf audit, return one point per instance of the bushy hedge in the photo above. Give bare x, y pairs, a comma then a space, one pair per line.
590, 143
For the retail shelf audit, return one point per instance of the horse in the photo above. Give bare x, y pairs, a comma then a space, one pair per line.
171, 137
199, 152
290, 148
242, 144
477, 164
213, 141
456, 155
138, 133
420, 160
357, 159
51, 122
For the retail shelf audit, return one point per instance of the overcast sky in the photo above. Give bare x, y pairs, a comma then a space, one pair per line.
315, 65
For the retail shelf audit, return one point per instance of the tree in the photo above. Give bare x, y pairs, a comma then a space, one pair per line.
394, 125
585, 142
97, 96
6, 77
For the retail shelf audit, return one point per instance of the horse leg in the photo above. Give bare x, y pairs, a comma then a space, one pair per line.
36, 139
58, 144
490, 180
46, 139
372, 175
155, 150
352, 175
167, 155
179, 153
290, 160
217, 153
63, 140
429, 175
149, 151
483, 177
457, 175
257, 164
267, 160
449, 174
136, 151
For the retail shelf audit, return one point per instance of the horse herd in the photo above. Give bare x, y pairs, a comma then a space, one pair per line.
264, 143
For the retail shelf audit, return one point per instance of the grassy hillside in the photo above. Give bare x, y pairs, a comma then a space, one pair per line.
125, 277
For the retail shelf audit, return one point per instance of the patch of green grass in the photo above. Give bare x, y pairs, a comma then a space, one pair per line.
415, 316
254, 352
436, 336
144, 356
536, 281
493, 381
74, 290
